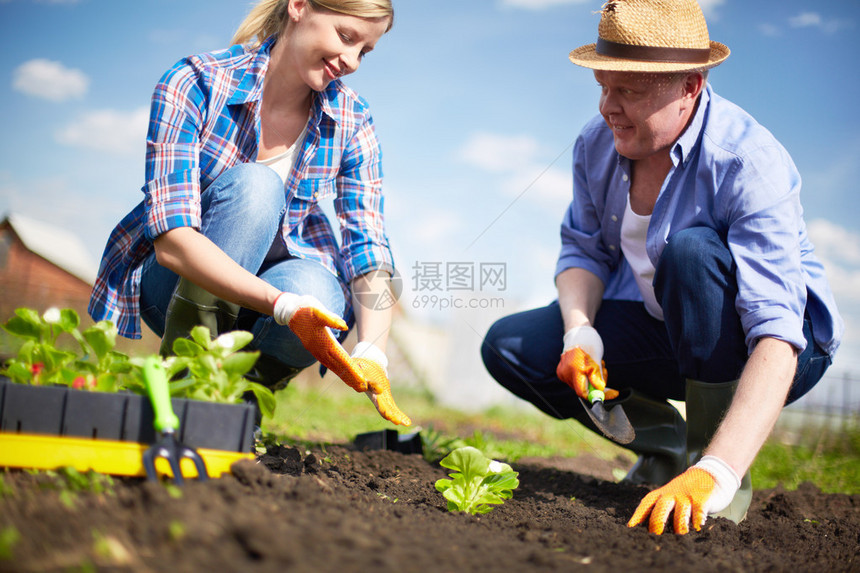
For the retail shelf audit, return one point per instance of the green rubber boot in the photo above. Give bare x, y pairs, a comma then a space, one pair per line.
192, 306
660, 440
706, 405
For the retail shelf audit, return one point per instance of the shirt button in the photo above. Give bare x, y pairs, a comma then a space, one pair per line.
625, 177
614, 218
611, 247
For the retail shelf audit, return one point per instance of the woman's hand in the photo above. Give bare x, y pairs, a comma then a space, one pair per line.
374, 363
310, 320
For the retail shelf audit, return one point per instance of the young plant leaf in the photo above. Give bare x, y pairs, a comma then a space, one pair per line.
477, 483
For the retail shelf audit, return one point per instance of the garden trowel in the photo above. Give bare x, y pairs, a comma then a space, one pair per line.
611, 421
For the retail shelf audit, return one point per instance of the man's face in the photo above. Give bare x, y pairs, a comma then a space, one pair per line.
646, 112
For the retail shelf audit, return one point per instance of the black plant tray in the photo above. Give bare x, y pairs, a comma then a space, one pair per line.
390, 440
124, 417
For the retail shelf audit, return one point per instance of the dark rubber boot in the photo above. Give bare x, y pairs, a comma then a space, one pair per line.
706, 405
660, 440
192, 306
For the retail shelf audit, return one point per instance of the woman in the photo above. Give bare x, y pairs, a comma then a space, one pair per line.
242, 145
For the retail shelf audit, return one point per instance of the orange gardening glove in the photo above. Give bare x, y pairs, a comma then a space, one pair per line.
578, 367
579, 371
310, 321
373, 362
380, 392
704, 489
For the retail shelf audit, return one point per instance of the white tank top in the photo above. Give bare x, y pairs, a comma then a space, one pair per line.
634, 229
283, 163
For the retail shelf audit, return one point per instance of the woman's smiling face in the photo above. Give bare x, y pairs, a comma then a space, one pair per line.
323, 45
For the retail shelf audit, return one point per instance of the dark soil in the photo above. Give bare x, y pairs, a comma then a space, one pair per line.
341, 510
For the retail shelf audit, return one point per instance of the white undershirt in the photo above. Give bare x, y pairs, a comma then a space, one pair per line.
283, 163
634, 229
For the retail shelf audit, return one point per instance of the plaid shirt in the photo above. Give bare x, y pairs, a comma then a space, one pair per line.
205, 119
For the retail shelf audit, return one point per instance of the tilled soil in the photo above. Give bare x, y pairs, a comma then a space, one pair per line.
342, 510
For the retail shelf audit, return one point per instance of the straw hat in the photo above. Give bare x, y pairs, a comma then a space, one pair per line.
651, 36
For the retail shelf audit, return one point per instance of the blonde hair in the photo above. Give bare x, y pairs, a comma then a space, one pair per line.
268, 17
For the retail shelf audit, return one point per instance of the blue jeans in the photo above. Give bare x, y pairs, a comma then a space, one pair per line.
242, 213
701, 337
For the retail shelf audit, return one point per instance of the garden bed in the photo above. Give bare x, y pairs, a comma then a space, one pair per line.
339, 509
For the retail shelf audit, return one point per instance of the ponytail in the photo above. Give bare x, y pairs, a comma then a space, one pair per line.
265, 19
268, 17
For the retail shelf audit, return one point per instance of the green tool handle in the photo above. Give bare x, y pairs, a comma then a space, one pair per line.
595, 395
159, 394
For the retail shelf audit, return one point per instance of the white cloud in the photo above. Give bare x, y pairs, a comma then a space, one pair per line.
805, 20
709, 7
110, 131
769, 30
499, 153
538, 4
834, 241
527, 168
50, 80
550, 186
838, 249
435, 226
816, 20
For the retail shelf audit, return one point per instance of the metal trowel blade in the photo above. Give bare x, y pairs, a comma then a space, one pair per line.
612, 422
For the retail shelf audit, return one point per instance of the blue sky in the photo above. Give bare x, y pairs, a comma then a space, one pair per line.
476, 106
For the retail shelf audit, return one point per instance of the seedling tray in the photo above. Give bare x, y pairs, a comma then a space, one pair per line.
390, 440
47, 427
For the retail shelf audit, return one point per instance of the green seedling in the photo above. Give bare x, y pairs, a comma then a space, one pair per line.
90, 481
173, 490
44, 357
215, 369
478, 483
110, 549
9, 537
5, 489
54, 351
176, 530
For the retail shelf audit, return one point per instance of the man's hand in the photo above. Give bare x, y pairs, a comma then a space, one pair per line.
704, 489
310, 321
578, 367
373, 363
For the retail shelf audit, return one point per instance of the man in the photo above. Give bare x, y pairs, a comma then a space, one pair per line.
685, 267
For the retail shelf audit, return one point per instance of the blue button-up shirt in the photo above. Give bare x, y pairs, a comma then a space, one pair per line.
205, 119
730, 174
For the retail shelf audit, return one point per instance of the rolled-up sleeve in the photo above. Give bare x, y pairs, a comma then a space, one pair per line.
172, 185
765, 217
359, 205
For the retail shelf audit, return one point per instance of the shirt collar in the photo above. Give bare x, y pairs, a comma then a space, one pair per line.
685, 145
250, 86
328, 102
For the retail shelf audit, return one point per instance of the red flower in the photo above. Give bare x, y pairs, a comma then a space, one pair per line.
82, 383
36, 369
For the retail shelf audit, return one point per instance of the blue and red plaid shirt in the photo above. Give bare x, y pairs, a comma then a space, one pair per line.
205, 119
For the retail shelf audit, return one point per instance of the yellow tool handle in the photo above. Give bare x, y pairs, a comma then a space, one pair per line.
104, 456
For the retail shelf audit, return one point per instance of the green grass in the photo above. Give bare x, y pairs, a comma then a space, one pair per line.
328, 412
833, 464
331, 413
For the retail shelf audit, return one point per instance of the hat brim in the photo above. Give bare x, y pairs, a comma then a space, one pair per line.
587, 57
